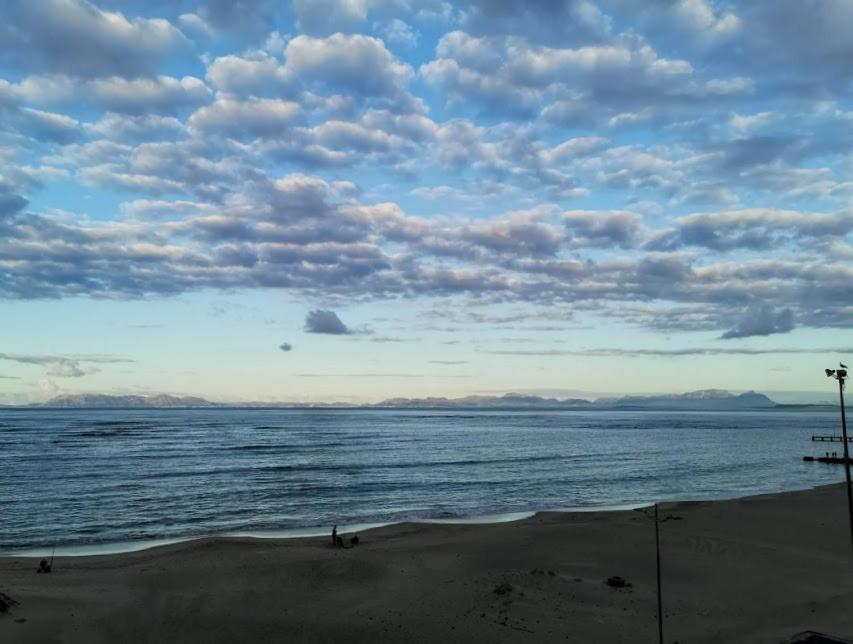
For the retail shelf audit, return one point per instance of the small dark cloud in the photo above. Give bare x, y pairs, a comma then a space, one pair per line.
286, 346
761, 320
324, 321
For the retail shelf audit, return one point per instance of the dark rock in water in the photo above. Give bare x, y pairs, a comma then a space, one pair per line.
503, 589
617, 582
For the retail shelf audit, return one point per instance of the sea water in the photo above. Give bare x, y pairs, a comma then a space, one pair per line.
101, 479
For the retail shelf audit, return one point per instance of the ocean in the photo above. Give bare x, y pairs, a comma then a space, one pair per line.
107, 480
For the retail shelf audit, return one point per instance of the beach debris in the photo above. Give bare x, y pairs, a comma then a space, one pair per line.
671, 517
6, 603
503, 589
617, 582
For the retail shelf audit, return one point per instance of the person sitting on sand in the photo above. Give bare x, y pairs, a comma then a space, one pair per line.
354, 540
43, 566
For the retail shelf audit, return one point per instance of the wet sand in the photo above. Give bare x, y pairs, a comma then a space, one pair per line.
758, 569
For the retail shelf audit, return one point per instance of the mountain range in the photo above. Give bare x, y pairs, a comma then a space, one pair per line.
708, 399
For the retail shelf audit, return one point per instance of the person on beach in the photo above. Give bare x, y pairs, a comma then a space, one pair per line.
335, 535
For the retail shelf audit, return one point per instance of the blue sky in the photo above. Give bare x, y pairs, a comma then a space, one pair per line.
354, 200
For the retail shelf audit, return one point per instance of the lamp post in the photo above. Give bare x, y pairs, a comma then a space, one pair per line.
841, 375
660, 599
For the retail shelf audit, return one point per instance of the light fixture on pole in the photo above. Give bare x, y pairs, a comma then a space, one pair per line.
840, 375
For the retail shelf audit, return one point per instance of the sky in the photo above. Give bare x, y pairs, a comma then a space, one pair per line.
352, 200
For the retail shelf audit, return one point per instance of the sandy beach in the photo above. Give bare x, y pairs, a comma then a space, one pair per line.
757, 569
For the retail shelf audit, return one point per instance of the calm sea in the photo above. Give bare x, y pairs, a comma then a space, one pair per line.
81, 477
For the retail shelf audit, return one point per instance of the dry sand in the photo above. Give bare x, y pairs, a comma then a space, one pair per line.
757, 569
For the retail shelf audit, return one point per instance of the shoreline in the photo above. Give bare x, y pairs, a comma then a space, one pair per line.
109, 548
753, 569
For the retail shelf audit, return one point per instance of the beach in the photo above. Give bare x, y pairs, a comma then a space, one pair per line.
756, 569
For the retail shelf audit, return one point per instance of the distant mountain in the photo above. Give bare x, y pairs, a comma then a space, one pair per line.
486, 402
706, 400
144, 402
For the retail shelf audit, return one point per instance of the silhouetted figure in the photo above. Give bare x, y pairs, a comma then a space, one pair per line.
335, 536
43, 566
339, 542
354, 540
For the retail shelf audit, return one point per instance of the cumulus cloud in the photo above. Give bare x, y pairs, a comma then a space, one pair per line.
760, 321
250, 118
328, 16
76, 37
325, 321
10, 203
605, 229
399, 32
163, 94
334, 63
754, 229
660, 163
569, 85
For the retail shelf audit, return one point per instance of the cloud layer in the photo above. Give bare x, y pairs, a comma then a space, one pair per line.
667, 165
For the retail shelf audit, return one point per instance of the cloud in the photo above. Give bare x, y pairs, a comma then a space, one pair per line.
675, 353
399, 32
64, 366
331, 64
251, 118
604, 229
136, 128
161, 94
327, 16
570, 86
753, 229
286, 347
10, 203
324, 321
760, 321
76, 37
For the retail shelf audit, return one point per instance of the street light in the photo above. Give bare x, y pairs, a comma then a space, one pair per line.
841, 375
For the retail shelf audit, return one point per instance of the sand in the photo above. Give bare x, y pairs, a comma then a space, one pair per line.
757, 569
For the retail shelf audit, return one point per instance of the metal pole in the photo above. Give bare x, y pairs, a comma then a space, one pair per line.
846, 455
657, 548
